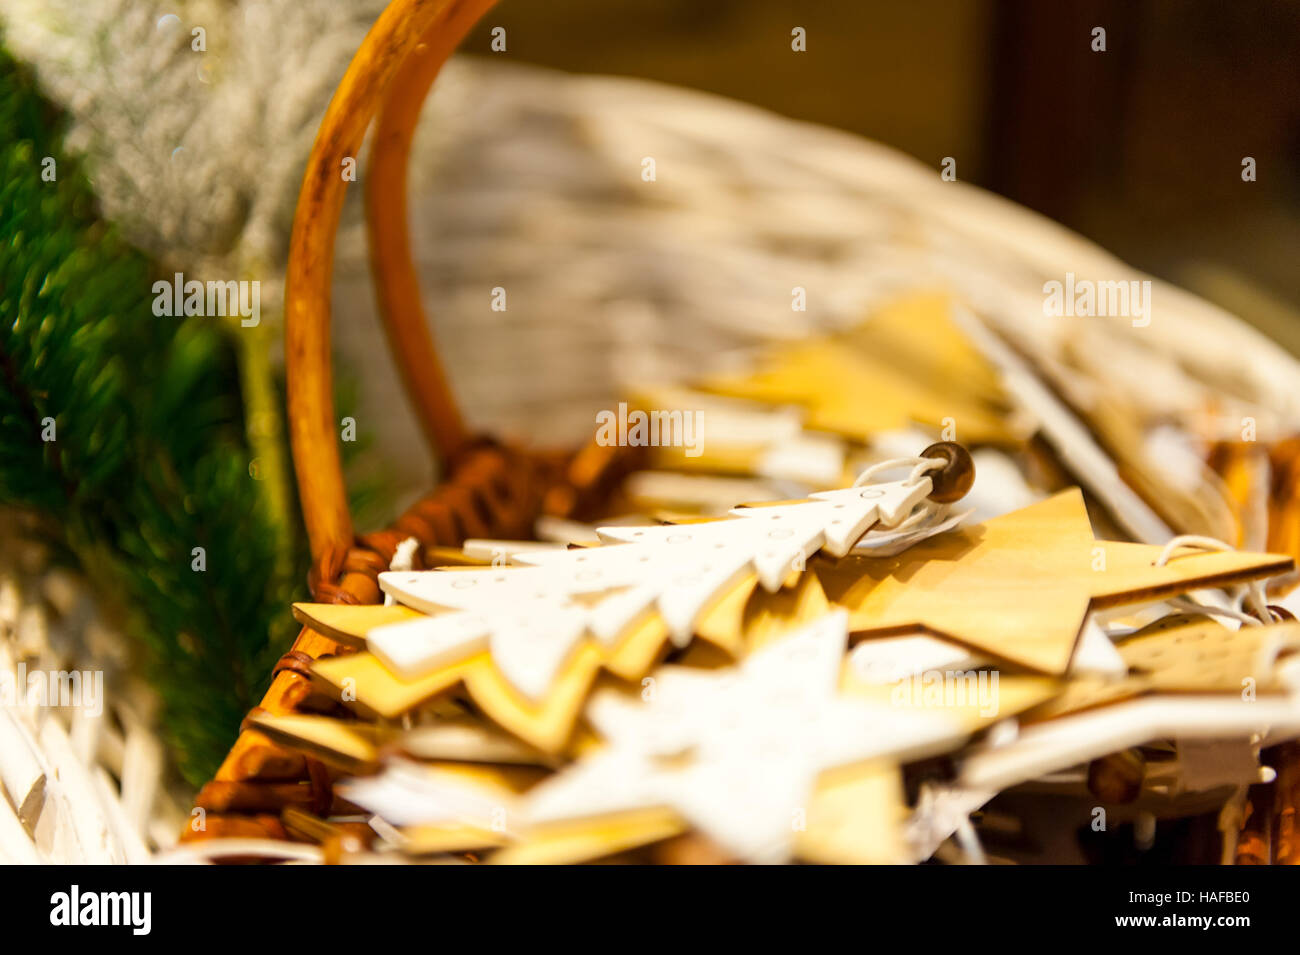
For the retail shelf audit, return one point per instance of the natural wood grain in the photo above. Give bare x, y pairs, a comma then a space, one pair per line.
905, 365
1020, 585
348, 623
349, 746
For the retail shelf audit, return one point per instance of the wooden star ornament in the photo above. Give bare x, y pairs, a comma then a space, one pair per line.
1020, 586
736, 752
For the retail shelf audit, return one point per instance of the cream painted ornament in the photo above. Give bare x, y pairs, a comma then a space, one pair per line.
533, 617
779, 538
1095, 653
1187, 678
887, 660
442, 807
736, 752
855, 817
1057, 744
738, 619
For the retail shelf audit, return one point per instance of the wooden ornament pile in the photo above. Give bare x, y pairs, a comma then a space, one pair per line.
761, 736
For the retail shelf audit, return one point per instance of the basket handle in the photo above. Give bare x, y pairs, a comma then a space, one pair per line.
397, 62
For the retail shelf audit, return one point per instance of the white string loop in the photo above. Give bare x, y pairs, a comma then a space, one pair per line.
403, 559
1255, 596
919, 467
926, 513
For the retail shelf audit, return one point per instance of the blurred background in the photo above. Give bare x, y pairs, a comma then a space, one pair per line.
1138, 148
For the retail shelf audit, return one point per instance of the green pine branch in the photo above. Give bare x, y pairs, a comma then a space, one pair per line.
149, 457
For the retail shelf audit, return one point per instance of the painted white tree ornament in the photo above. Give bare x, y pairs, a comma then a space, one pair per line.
532, 616
408, 793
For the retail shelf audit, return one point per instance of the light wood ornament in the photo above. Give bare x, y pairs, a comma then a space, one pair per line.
1183, 654
905, 365
1019, 586
548, 723
854, 818
349, 623
349, 746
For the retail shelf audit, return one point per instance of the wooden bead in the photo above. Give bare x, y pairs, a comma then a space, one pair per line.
957, 475
1117, 778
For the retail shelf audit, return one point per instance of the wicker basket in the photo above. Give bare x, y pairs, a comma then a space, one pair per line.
490, 489
83, 772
